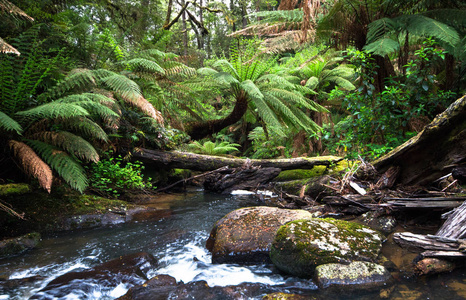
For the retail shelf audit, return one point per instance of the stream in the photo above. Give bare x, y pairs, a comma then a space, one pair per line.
178, 242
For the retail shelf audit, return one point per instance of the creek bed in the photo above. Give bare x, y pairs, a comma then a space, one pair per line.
178, 242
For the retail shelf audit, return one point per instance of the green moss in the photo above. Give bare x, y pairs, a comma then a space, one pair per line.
14, 189
88, 204
300, 173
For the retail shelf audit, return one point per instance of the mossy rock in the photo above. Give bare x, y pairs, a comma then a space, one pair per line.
298, 174
355, 276
12, 189
245, 235
18, 245
300, 246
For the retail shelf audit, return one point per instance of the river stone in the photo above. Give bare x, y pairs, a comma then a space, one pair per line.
378, 221
300, 246
157, 288
432, 265
356, 275
130, 270
245, 235
19, 244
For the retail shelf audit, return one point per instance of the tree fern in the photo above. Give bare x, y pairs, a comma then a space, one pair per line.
62, 163
84, 127
8, 124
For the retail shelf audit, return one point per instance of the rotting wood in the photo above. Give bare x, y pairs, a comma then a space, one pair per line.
455, 225
199, 162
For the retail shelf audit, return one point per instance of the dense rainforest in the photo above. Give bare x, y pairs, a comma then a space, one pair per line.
84, 85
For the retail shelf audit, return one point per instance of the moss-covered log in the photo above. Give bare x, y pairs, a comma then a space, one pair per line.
434, 152
199, 162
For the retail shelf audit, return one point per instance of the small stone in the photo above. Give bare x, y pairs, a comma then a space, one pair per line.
430, 265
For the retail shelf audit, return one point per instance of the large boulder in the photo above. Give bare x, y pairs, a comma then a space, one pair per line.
300, 246
245, 235
355, 276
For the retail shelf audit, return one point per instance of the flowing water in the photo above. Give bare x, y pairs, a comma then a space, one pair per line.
178, 242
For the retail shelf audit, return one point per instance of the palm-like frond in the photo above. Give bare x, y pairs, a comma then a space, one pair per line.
143, 64
62, 163
54, 110
84, 127
9, 124
69, 142
32, 164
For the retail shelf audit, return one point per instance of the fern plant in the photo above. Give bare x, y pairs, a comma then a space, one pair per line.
211, 148
271, 98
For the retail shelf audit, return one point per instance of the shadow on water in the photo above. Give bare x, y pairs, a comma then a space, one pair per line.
178, 242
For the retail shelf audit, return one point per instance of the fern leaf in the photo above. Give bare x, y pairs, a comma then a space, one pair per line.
138, 64
69, 142
7, 48
32, 164
227, 67
70, 170
9, 124
84, 127
383, 46
251, 89
54, 110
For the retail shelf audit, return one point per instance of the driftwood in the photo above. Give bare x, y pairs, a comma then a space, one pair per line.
428, 202
434, 152
455, 225
199, 162
431, 245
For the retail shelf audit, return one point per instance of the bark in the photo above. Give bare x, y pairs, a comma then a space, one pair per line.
184, 160
434, 152
201, 130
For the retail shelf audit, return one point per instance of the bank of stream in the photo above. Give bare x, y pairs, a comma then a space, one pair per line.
178, 242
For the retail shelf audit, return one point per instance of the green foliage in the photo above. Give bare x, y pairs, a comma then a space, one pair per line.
270, 145
112, 175
213, 148
382, 121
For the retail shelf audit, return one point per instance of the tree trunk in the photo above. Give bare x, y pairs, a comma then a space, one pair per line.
183, 160
201, 130
434, 152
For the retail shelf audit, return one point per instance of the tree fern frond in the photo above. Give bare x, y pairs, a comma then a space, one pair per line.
206, 71
7, 48
84, 127
69, 142
383, 46
311, 126
423, 26
9, 124
266, 113
123, 86
77, 78
54, 110
70, 170
6, 7
227, 67
32, 164
139, 64
251, 89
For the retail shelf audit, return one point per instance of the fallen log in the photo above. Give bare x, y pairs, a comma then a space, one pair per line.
199, 162
431, 245
434, 152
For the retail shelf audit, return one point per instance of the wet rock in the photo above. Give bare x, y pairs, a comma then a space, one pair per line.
316, 187
379, 221
286, 296
8, 284
300, 246
157, 288
430, 265
356, 275
130, 269
245, 235
201, 290
18, 245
